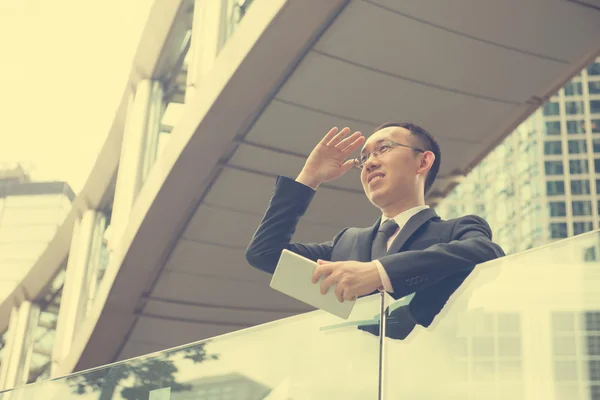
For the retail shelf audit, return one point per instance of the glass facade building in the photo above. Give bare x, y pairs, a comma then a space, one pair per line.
542, 183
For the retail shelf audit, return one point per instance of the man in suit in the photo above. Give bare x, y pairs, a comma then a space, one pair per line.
410, 249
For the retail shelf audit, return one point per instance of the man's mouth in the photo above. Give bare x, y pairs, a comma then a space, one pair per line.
375, 177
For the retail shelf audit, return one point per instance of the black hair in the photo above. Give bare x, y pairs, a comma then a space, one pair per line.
427, 142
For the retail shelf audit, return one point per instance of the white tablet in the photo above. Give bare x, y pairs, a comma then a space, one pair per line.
293, 276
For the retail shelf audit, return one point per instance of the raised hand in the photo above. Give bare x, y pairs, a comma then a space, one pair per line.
328, 160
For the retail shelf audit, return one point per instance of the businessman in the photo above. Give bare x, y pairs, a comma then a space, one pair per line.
409, 249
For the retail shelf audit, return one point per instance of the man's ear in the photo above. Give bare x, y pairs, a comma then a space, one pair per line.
426, 162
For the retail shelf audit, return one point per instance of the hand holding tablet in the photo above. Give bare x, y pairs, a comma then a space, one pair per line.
293, 276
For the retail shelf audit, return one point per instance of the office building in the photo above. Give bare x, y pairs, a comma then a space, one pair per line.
542, 183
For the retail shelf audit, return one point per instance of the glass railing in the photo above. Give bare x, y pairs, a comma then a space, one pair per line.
311, 356
524, 327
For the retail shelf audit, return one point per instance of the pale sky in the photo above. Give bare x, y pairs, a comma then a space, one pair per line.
63, 69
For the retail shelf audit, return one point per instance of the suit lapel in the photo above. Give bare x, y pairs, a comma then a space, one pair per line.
364, 242
413, 224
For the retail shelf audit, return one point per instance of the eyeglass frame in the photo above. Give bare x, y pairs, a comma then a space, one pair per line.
359, 165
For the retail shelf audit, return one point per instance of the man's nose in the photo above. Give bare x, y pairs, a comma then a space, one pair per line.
372, 163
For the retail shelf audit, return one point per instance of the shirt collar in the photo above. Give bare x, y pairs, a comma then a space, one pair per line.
402, 218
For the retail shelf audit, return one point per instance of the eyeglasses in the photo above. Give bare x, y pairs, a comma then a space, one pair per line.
380, 149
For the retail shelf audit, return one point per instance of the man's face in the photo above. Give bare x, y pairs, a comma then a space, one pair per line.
392, 175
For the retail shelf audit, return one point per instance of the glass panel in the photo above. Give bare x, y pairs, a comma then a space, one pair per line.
595, 106
553, 167
596, 125
555, 188
573, 89
553, 128
578, 166
582, 208
580, 187
552, 147
558, 209
502, 337
575, 127
577, 146
582, 227
573, 107
594, 69
310, 356
596, 145
558, 230
551, 109
594, 87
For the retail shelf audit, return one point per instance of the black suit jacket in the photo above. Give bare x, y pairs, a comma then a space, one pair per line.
429, 257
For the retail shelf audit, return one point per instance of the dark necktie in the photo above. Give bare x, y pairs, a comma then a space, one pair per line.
385, 231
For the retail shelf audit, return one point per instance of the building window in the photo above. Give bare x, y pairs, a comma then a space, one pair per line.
553, 147
596, 145
556, 188
578, 166
577, 146
573, 89
574, 107
582, 208
551, 109
558, 209
575, 127
553, 167
582, 227
594, 69
594, 87
598, 189
597, 165
594, 350
595, 106
553, 128
580, 187
558, 230
596, 125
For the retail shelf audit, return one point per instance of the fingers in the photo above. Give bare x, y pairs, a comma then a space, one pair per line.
348, 141
323, 269
338, 138
339, 293
327, 283
354, 145
348, 164
327, 138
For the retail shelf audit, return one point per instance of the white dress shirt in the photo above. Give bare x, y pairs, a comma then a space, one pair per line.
401, 219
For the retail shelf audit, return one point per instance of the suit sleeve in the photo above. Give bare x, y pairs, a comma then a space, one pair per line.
288, 204
416, 270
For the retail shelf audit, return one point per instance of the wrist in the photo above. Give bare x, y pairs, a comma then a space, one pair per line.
378, 278
308, 180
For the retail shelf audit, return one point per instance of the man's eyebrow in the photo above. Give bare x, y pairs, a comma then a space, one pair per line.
377, 142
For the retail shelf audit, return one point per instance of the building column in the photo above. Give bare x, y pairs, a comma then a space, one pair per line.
208, 31
19, 345
87, 237
138, 151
